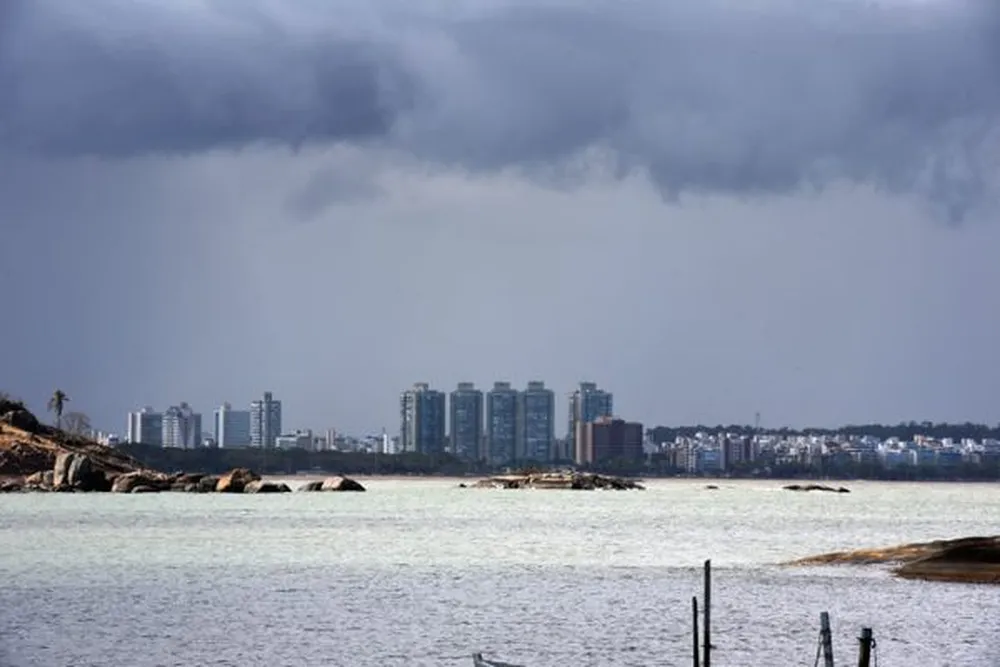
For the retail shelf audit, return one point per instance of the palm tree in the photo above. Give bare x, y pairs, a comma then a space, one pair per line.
57, 403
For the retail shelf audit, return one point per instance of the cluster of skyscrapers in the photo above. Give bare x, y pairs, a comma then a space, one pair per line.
514, 426
181, 426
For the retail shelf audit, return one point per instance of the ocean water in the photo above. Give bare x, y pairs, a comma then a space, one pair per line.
420, 572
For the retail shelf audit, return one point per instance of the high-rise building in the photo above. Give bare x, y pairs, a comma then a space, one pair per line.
466, 421
422, 419
501, 423
181, 427
265, 421
145, 426
232, 427
586, 404
606, 439
536, 423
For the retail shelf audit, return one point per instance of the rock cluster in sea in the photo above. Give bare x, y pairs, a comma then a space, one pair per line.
816, 487
557, 480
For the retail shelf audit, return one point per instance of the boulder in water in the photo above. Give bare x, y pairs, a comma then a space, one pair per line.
236, 480
261, 486
150, 481
340, 483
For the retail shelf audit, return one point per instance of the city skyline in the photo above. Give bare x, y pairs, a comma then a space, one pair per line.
563, 402
798, 227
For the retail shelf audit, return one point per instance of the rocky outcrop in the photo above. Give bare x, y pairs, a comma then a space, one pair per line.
28, 446
336, 483
261, 486
79, 473
236, 480
340, 483
21, 419
21, 457
967, 559
558, 480
816, 487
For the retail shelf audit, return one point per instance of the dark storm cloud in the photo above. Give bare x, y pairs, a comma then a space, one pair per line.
704, 96
118, 80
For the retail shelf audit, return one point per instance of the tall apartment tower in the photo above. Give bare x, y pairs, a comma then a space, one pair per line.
232, 427
466, 412
422, 419
586, 404
265, 421
181, 427
607, 439
145, 426
501, 423
536, 423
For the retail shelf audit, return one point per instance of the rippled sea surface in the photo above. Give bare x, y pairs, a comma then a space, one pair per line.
420, 572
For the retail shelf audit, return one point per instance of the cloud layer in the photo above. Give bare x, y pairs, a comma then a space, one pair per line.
708, 96
202, 200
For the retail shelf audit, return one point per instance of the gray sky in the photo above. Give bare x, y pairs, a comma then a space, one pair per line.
710, 207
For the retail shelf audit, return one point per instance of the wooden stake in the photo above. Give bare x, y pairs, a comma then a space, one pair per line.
707, 650
694, 617
865, 652
826, 638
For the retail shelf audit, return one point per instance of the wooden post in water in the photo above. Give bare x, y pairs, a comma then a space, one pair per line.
694, 616
707, 650
826, 638
865, 652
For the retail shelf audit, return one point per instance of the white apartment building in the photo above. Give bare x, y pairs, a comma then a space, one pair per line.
181, 427
145, 426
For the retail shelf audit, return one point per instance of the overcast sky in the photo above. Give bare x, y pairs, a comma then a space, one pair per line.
710, 207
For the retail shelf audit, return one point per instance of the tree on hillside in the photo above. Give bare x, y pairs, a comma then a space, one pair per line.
76, 423
57, 403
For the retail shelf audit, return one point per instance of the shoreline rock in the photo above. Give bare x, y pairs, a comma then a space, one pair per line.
557, 480
71, 471
236, 480
261, 486
962, 560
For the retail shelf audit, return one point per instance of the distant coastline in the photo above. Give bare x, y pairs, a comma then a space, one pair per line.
300, 462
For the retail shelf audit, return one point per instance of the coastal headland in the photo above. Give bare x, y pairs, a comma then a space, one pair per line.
37, 457
960, 560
